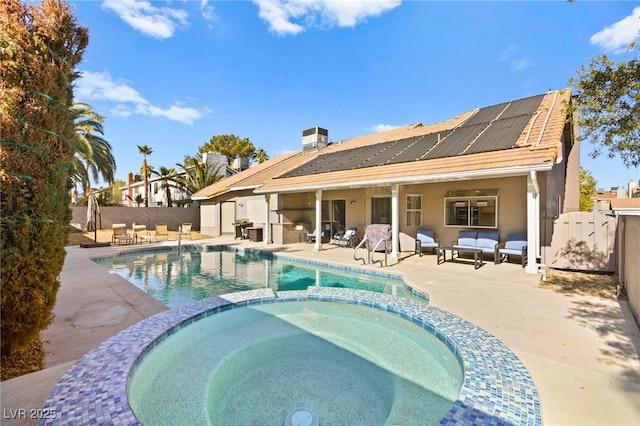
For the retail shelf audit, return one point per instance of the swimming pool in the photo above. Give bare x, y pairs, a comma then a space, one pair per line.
178, 277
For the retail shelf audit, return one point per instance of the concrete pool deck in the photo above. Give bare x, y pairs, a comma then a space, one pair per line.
581, 351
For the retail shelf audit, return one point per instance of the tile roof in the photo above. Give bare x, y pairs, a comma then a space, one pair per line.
625, 203
505, 139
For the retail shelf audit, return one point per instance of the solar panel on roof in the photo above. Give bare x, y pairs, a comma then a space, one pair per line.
417, 150
384, 156
526, 106
368, 153
501, 134
456, 142
485, 115
491, 128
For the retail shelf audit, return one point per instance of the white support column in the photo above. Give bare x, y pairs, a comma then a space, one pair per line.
395, 222
533, 223
318, 244
266, 235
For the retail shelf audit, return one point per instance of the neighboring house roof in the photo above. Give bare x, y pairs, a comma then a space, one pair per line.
230, 171
605, 195
252, 177
501, 140
626, 205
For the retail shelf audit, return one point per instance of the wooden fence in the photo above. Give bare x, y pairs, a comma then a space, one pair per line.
582, 241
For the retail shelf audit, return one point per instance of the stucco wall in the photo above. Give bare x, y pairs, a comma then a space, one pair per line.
209, 219
288, 210
512, 204
629, 267
148, 216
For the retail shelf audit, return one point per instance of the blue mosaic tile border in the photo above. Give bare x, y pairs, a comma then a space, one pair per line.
497, 388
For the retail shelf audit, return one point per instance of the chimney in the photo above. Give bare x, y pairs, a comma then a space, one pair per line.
314, 139
633, 187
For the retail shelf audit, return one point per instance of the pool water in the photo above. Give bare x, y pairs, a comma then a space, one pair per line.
350, 364
177, 278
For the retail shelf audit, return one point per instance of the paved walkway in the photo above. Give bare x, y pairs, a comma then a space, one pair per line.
583, 352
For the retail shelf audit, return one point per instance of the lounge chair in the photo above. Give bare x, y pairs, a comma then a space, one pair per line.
426, 239
120, 234
185, 230
311, 237
346, 238
516, 245
141, 234
162, 230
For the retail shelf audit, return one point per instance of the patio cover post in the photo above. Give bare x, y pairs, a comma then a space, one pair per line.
394, 221
533, 223
267, 223
317, 244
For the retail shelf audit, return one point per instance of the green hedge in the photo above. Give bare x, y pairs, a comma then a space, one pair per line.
41, 45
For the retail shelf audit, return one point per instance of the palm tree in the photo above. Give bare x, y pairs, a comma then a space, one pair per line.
145, 150
260, 155
198, 175
93, 156
166, 175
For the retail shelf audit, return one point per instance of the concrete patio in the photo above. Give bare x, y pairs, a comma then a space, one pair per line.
583, 352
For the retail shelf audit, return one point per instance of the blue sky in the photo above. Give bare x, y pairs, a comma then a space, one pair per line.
172, 74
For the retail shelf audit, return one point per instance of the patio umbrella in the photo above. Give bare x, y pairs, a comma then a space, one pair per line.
93, 210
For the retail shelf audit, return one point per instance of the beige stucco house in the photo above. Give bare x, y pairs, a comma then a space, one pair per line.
503, 167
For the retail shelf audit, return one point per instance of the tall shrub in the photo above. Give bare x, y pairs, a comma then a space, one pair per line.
40, 47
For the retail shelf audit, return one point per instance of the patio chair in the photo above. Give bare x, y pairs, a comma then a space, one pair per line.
426, 239
120, 234
345, 238
311, 237
516, 245
141, 234
185, 230
350, 237
162, 230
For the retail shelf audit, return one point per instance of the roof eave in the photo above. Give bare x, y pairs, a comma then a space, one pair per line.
404, 180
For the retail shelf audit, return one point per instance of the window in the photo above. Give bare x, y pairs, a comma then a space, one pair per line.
381, 210
477, 208
414, 210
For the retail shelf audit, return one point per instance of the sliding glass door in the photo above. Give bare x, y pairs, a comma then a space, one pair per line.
333, 217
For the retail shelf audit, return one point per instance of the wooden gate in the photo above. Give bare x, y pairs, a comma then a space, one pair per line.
582, 241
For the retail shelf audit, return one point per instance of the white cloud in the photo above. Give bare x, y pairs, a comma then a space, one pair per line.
158, 22
100, 87
617, 37
377, 128
511, 54
208, 12
175, 112
520, 64
281, 14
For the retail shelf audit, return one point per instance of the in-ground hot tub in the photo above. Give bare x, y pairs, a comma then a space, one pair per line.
349, 364
496, 389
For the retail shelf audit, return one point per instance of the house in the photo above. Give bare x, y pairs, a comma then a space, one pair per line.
157, 192
625, 206
503, 167
616, 199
